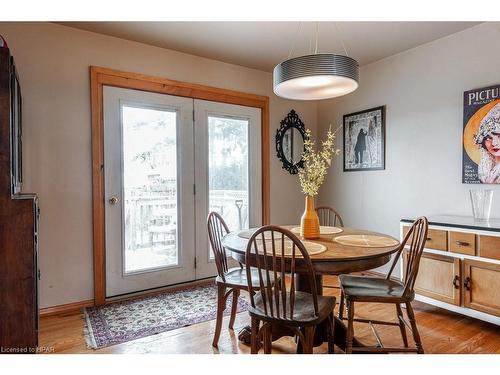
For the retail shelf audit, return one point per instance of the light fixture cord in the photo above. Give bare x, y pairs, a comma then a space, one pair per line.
340, 37
317, 37
297, 34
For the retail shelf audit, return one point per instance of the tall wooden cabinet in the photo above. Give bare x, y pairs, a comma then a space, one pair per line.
460, 267
18, 225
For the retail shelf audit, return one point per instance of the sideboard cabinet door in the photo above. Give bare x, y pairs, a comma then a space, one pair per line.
438, 277
482, 286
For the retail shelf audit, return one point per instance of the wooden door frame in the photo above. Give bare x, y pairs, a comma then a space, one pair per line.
100, 77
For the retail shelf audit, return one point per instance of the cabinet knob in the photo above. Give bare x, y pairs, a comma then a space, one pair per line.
456, 282
467, 283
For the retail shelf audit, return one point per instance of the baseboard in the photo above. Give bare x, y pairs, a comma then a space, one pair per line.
66, 308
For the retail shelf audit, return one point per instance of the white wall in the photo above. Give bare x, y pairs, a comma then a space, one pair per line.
422, 89
53, 63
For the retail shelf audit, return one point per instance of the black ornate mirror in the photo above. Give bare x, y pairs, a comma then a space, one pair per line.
290, 142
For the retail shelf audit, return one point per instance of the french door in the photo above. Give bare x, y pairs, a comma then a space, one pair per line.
227, 172
168, 161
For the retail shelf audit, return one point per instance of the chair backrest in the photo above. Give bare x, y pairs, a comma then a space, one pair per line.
273, 252
217, 229
415, 240
329, 217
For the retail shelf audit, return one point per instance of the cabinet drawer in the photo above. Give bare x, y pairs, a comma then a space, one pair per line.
482, 286
437, 239
489, 247
463, 243
438, 277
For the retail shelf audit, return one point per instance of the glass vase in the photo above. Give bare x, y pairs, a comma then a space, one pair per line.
481, 200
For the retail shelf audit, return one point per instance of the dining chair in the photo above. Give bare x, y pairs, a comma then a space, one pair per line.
329, 217
386, 290
277, 254
229, 280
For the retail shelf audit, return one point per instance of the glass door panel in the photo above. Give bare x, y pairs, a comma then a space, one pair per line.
228, 170
149, 188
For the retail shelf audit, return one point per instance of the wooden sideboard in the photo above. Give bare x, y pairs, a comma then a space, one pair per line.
18, 225
460, 267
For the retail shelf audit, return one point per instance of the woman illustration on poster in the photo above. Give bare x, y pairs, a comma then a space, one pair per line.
488, 139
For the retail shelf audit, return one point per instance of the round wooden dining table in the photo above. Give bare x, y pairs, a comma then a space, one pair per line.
338, 258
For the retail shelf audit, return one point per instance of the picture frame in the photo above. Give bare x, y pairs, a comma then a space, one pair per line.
481, 128
364, 140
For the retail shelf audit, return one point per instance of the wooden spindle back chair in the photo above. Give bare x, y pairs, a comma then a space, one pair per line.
415, 238
270, 262
387, 290
329, 217
217, 228
229, 281
280, 303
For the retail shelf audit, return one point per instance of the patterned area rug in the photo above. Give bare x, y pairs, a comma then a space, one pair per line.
119, 322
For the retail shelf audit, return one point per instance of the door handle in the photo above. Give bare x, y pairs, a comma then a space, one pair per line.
113, 200
467, 283
462, 243
456, 282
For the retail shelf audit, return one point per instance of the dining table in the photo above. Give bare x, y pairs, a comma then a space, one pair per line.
343, 251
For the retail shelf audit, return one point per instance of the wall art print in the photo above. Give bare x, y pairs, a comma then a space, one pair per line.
364, 140
481, 136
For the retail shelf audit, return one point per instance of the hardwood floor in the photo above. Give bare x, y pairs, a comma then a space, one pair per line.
441, 331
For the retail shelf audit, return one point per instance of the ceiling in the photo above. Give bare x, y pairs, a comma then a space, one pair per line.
262, 45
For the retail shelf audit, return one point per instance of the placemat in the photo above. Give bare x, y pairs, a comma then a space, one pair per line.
366, 240
323, 230
312, 248
248, 233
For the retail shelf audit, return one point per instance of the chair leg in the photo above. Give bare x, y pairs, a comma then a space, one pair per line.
331, 333
254, 338
402, 327
341, 305
221, 306
350, 327
267, 338
414, 329
234, 307
308, 345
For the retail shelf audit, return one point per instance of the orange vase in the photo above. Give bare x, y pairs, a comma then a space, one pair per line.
309, 223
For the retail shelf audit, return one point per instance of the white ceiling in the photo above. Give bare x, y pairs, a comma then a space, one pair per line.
262, 45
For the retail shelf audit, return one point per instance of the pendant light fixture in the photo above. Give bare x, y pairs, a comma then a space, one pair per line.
316, 76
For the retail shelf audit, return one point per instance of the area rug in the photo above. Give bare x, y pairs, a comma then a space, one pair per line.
119, 322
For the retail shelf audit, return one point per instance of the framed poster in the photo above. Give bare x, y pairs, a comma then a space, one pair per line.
481, 136
364, 140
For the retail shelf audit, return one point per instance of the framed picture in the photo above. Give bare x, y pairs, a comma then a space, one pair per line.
364, 140
481, 137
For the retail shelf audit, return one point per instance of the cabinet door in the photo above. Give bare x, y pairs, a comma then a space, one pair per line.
482, 286
438, 277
